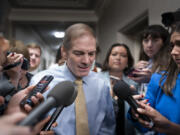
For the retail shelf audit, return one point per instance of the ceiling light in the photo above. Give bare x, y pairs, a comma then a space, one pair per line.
59, 34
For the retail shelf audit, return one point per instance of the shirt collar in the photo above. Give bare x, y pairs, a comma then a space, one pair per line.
70, 75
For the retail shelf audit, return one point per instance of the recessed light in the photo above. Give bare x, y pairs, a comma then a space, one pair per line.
59, 34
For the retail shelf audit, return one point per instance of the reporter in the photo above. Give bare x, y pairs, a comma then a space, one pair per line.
152, 57
14, 73
14, 106
8, 122
164, 94
117, 63
9, 78
25, 77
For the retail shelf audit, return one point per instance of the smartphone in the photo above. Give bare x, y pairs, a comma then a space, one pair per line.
40, 87
131, 74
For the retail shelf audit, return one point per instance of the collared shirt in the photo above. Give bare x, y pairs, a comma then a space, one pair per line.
100, 111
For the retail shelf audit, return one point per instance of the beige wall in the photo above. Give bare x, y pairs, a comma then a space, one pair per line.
121, 13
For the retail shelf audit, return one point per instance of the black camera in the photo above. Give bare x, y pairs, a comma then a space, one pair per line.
169, 18
25, 64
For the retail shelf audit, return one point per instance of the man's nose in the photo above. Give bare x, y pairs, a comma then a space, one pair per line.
86, 59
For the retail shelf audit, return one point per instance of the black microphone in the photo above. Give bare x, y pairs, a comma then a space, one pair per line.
123, 91
60, 95
57, 112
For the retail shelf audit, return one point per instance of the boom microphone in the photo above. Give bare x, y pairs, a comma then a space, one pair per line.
61, 95
123, 91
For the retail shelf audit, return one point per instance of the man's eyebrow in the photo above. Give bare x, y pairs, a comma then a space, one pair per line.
93, 51
78, 51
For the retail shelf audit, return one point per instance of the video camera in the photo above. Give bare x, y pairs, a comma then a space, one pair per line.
25, 64
168, 18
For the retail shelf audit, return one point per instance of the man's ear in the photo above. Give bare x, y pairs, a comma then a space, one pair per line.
63, 52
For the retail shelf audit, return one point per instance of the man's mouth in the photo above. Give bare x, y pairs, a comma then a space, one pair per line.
84, 68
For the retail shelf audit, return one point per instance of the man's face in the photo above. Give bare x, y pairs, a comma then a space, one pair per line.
35, 58
81, 55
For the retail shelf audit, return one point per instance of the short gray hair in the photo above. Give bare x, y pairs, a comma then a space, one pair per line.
75, 31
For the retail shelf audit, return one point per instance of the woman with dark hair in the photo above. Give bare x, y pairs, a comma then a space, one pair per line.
59, 60
164, 94
116, 65
59, 57
152, 57
128, 55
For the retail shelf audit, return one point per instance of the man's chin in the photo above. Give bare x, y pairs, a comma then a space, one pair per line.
82, 74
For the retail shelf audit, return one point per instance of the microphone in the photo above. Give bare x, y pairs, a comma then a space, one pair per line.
58, 110
123, 91
61, 95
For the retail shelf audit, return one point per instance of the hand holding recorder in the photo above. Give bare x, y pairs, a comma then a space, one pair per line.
123, 91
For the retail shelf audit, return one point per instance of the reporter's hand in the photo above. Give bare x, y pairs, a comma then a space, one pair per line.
139, 99
161, 123
37, 129
51, 132
14, 104
14, 57
8, 125
141, 65
142, 76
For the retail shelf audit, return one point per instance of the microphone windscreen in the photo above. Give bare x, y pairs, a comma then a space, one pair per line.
122, 89
72, 99
63, 93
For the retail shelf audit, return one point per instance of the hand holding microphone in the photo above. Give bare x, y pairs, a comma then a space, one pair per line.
58, 110
63, 94
123, 91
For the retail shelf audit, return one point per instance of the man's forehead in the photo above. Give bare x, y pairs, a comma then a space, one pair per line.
83, 44
85, 50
